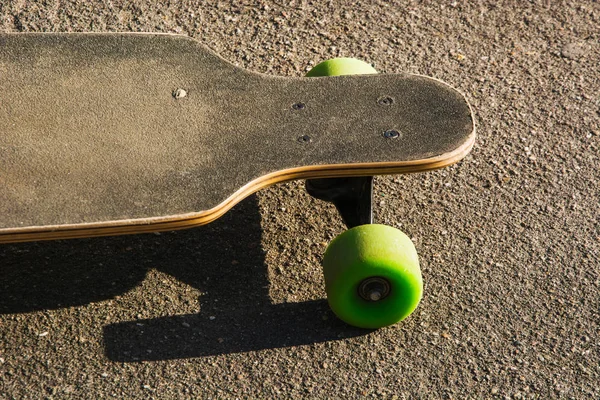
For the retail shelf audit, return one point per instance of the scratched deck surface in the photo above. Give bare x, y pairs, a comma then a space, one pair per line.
92, 138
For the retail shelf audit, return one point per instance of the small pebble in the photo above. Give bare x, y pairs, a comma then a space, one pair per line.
573, 51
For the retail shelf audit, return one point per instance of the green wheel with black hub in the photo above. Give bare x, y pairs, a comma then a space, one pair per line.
372, 276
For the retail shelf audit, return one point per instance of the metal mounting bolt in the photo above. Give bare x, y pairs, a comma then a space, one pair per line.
391, 134
298, 106
375, 295
385, 101
179, 93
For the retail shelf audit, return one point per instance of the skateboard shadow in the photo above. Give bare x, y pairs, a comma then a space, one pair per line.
224, 260
244, 329
55, 274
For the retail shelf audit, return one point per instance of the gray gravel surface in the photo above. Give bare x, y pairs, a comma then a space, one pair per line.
509, 238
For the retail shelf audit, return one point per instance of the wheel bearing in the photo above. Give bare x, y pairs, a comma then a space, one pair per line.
374, 289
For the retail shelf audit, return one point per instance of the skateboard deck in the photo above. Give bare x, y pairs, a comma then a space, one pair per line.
105, 134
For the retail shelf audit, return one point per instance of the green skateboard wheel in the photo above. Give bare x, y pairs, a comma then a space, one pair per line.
372, 276
341, 66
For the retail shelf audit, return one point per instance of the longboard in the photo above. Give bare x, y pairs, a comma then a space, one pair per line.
104, 134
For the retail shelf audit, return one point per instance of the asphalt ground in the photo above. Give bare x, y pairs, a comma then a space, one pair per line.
509, 238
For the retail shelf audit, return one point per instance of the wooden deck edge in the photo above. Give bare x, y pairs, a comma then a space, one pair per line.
189, 220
